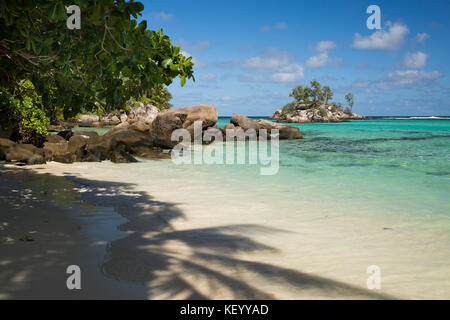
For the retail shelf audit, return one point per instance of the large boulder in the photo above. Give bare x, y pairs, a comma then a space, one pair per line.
184, 118
285, 132
24, 153
110, 120
145, 113
132, 141
87, 120
119, 127
5, 145
243, 122
77, 147
54, 138
59, 151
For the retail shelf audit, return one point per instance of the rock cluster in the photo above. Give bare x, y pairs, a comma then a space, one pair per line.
145, 113
144, 133
305, 113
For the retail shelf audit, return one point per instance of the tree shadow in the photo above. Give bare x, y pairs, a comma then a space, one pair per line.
193, 263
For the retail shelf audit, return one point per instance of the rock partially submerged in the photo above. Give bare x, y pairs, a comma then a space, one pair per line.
286, 132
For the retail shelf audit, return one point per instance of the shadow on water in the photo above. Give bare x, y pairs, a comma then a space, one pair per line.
195, 263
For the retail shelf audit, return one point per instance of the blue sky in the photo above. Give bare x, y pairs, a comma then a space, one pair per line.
250, 54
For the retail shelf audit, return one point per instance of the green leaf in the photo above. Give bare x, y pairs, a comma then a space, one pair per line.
166, 62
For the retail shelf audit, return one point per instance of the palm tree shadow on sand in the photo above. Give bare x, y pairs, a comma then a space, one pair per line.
177, 263
196, 263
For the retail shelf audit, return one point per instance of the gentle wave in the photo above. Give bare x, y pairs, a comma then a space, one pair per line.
419, 118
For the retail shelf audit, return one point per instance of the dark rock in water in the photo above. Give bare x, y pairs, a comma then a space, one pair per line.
135, 142
285, 132
168, 121
99, 147
120, 155
66, 134
243, 122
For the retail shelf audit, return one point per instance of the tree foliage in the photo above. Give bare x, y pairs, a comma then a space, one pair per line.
110, 59
23, 106
314, 93
349, 98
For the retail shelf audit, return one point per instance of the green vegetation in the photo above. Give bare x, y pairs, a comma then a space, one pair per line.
288, 108
97, 68
23, 106
315, 95
349, 98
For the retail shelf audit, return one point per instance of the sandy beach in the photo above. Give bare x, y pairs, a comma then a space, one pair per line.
130, 245
48, 224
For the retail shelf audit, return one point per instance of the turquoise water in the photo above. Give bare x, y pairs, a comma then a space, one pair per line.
401, 164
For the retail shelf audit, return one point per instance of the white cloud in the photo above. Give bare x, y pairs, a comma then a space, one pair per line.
276, 26
416, 60
324, 46
276, 66
198, 46
317, 61
390, 39
406, 78
289, 73
252, 78
269, 61
208, 77
422, 37
360, 84
161, 16
322, 57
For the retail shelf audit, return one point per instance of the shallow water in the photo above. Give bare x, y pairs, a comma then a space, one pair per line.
347, 196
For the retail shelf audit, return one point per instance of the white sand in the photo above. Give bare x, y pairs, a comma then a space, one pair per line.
183, 244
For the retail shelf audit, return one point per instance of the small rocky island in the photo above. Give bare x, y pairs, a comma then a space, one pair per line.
311, 104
